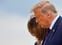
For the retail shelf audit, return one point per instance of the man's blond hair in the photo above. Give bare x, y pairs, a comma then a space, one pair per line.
50, 7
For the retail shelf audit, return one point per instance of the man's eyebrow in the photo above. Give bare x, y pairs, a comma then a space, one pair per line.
44, 10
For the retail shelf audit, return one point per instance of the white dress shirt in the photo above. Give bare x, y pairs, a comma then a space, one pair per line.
54, 21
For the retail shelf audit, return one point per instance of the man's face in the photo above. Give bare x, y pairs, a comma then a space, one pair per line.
42, 16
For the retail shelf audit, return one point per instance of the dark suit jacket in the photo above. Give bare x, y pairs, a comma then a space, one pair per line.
54, 36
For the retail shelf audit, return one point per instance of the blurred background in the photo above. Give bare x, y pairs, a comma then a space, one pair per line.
14, 15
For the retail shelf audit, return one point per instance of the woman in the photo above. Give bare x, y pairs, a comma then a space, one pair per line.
35, 29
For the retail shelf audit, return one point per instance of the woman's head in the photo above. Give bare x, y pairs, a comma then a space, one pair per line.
35, 29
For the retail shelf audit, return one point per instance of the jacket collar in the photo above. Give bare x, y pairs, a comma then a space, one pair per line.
57, 23
53, 22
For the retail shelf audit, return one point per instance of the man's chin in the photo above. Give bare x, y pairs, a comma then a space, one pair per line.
45, 26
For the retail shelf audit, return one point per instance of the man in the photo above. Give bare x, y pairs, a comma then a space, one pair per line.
36, 30
47, 17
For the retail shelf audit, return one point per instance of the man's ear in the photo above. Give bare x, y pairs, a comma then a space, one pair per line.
48, 14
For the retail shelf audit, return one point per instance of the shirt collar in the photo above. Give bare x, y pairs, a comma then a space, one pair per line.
53, 22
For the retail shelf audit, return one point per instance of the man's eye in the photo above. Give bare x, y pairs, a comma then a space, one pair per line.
44, 11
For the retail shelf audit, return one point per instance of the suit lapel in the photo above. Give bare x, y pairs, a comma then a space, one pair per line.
52, 32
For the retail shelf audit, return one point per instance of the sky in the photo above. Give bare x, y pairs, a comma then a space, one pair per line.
14, 15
